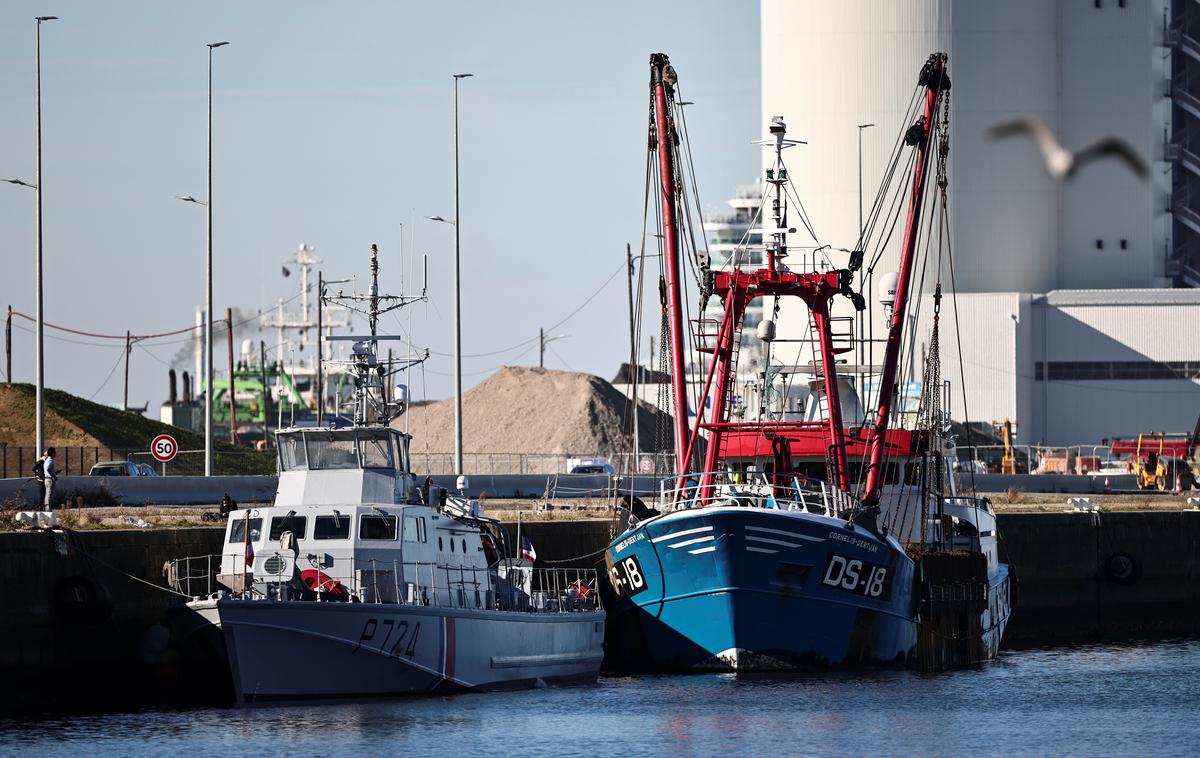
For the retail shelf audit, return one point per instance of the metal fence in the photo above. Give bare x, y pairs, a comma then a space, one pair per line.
538, 463
1035, 459
276, 576
17, 462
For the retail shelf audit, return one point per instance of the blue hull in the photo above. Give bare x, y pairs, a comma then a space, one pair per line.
748, 589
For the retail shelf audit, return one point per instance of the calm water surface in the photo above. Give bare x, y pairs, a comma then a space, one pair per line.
1132, 699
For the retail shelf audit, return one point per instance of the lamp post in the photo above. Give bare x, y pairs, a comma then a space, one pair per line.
543, 340
458, 414
208, 298
458, 457
862, 353
41, 354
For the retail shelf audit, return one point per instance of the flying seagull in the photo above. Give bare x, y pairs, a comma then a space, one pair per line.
1060, 162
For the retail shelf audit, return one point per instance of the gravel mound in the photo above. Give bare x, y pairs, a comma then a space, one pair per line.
532, 410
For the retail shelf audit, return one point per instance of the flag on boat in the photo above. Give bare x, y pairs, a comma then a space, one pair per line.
249, 553
527, 550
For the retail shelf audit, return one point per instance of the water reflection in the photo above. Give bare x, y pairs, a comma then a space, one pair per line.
1096, 700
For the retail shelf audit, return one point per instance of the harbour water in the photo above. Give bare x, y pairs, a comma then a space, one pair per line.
1104, 699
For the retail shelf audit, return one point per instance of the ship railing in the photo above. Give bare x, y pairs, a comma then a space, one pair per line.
756, 490
273, 577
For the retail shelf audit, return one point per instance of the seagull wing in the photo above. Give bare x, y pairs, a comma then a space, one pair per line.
1111, 147
1031, 127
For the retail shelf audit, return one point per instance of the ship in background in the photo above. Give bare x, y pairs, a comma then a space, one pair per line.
279, 382
813, 537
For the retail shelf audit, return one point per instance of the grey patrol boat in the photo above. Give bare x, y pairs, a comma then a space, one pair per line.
357, 583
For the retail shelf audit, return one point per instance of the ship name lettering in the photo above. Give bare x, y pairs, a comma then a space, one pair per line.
629, 541
855, 541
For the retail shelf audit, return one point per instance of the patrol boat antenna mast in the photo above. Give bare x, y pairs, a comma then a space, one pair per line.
371, 405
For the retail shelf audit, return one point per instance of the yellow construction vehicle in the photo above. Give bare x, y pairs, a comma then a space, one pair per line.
1008, 431
1150, 467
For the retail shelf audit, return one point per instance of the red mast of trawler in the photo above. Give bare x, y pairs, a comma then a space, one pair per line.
933, 78
662, 81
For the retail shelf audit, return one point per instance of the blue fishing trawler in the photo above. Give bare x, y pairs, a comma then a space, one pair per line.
804, 540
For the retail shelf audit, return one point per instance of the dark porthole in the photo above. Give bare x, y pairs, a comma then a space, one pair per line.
440, 544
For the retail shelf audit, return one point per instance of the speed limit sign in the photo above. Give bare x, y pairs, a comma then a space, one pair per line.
164, 447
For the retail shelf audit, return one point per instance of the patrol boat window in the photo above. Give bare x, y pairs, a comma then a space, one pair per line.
294, 524
332, 450
291, 452
331, 528
373, 527
237, 530
414, 529
376, 452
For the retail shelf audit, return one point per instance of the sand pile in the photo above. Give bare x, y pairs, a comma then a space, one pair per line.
530, 410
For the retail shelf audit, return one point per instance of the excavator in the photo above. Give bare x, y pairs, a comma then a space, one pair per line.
1007, 430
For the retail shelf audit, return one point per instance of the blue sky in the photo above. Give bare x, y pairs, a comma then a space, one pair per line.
333, 127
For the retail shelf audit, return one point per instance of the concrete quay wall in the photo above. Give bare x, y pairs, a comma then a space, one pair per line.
80, 621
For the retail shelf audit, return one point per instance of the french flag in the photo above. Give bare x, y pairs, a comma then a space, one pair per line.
249, 554
527, 550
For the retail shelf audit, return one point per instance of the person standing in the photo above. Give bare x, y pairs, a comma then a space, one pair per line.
49, 477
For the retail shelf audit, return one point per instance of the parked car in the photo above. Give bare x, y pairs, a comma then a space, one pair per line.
594, 468
115, 468
146, 470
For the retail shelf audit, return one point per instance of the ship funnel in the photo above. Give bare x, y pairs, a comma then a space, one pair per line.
887, 289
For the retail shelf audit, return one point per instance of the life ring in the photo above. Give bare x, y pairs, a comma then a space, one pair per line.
580, 589
318, 581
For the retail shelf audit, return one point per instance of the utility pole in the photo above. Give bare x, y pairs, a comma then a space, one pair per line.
8, 346
320, 350
633, 367
232, 401
262, 370
541, 348
128, 348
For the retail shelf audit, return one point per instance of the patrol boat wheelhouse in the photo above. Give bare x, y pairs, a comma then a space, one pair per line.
354, 582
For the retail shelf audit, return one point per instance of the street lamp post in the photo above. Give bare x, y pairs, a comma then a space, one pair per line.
543, 340
41, 354
862, 348
208, 299
458, 413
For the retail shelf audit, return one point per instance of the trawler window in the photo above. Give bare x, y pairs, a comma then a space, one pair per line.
331, 528
327, 451
414, 529
372, 527
294, 524
237, 530
291, 453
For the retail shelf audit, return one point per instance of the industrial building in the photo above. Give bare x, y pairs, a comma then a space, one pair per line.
1073, 296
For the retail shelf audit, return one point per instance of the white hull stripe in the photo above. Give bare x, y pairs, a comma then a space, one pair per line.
685, 543
793, 535
760, 550
770, 541
708, 549
675, 535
